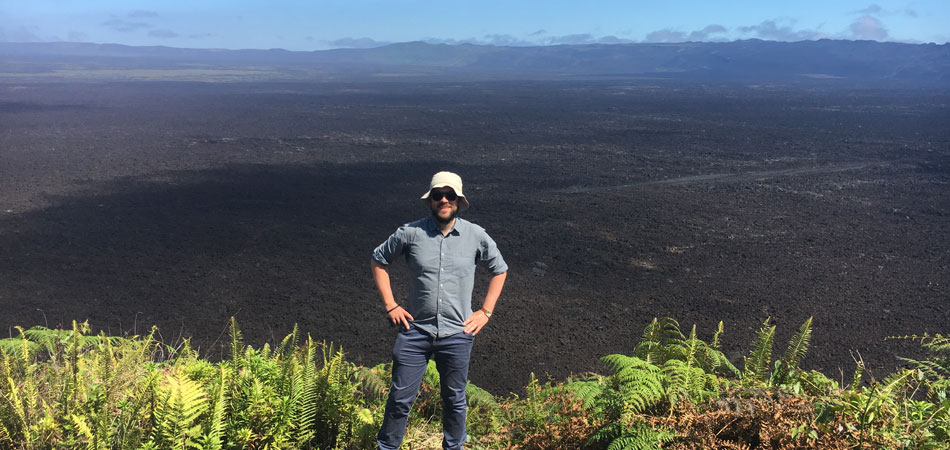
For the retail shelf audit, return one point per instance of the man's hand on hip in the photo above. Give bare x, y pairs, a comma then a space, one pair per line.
398, 316
475, 322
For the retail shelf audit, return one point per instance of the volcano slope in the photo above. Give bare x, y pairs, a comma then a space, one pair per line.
614, 201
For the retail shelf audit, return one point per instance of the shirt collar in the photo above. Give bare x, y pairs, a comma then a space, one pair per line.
456, 230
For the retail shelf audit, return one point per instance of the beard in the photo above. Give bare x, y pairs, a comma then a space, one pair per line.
440, 220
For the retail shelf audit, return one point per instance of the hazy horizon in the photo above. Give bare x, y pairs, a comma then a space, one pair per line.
300, 26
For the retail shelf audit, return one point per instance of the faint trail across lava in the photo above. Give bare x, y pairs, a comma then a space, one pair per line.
719, 178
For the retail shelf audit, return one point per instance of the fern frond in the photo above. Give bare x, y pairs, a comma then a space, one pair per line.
653, 346
895, 382
795, 353
431, 376
760, 357
691, 383
636, 436
19, 409
936, 368
373, 384
81, 425
237, 343
856, 376
477, 396
306, 398
715, 344
213, 438
20, 347
176, 416
635, 384
587, 391
290, 342
6, 440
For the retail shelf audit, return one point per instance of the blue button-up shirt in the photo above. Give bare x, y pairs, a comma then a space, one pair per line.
441, 270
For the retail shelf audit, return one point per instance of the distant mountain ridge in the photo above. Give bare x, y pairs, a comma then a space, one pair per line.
741, 60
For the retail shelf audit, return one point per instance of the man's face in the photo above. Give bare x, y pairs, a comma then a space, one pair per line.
443, 209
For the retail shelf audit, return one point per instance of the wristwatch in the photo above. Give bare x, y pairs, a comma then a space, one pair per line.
486, 313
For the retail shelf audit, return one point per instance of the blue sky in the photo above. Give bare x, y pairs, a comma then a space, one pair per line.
324, 24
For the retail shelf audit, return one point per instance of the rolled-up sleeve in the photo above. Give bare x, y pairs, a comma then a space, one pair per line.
387, 252
490, 256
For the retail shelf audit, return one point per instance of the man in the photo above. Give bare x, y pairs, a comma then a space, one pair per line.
436, 320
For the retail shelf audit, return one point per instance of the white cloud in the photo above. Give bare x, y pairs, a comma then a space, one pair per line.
362, 42
665, 35
572, 39
702, 35
504, 40
873, 8
870, 28
582, 39
613, 40
772, 30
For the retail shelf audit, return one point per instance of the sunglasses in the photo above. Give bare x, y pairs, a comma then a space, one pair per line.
438, 195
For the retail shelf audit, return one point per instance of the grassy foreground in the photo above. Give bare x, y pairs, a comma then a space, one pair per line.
67, 389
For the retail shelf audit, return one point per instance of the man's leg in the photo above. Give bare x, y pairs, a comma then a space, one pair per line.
410, 358
452, 355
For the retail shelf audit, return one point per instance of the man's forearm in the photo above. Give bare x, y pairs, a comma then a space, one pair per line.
381, 277
494, 291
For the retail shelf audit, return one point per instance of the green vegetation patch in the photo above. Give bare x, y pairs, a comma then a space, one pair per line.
71, 389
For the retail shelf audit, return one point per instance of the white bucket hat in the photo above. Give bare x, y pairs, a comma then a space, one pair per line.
447, 179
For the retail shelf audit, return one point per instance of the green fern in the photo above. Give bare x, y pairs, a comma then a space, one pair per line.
587, 390
431, 376
715, 344
935, 369
20, 347
634, 386
213, 436
237, 344
788, 366
635, 436
760, 357
798, 346
684, 378
304, 396
181, 405
288, 346
653, 346
372, 382
81, 425
477, 396
337, 415
641, 437
6, 440
18, 426
663, 341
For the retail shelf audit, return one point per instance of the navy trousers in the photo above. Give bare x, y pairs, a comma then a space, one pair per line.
411, 355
